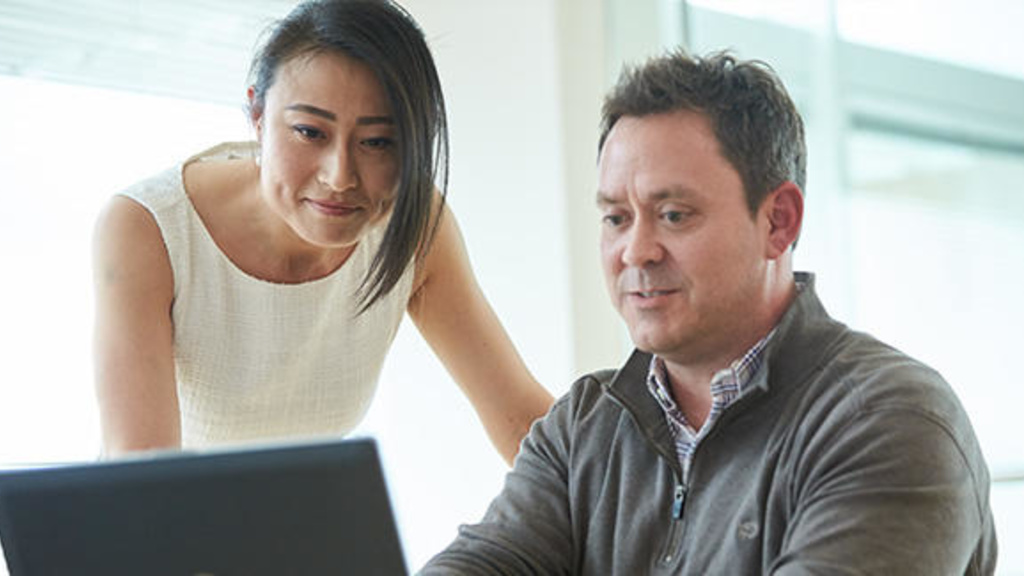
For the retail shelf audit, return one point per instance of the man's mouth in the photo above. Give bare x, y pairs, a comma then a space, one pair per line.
652, 293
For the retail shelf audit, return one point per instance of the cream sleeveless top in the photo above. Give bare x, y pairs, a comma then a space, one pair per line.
258, 361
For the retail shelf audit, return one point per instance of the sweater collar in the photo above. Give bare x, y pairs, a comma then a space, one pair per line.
803, 337
800, 340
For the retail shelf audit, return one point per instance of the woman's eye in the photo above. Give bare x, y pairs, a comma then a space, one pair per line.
378, 143
309, 132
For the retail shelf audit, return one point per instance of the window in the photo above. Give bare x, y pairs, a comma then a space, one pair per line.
67, 149
936, 237
982, 34
915, 218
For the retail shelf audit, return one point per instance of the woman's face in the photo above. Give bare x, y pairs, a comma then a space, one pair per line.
328, 151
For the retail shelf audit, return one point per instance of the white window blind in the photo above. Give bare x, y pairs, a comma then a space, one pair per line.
190, 49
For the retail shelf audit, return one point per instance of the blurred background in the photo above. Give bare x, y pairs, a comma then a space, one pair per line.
915, 203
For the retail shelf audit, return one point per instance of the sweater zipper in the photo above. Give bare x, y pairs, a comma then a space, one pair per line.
672, 541
679, 502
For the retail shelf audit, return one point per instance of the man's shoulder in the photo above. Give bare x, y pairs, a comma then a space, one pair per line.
861, 376
594, 380
815, 348
609, 397
866, 362
588, 392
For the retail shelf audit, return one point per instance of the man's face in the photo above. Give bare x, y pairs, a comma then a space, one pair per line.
683, 258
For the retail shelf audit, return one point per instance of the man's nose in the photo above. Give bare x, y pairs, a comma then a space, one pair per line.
643, 246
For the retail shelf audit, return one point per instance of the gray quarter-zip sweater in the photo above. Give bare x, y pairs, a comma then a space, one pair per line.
843, 456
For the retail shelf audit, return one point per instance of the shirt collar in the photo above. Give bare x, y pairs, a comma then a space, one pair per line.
732, 380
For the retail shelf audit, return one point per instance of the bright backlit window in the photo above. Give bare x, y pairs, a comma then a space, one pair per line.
65, 150
915, 217
982, 34
937, 235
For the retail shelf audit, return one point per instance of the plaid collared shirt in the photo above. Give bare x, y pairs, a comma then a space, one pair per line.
726, 387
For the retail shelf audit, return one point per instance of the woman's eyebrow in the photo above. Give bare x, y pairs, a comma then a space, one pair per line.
366, 120
310, 109
327, 114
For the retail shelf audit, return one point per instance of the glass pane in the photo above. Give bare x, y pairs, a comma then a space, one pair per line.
982, 34
64, 150
937, 237
1007, 504
809, 14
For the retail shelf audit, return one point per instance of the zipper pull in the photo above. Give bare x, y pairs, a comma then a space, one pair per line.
679, 501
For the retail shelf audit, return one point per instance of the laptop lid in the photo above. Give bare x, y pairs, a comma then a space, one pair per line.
285, 510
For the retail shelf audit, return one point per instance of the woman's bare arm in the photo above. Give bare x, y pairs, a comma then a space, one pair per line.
455, 319
133, 331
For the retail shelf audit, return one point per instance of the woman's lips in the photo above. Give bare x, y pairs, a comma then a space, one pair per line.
334, 208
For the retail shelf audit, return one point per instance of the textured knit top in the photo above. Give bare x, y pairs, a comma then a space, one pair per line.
258, 361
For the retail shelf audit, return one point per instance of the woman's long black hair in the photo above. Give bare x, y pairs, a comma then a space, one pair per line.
383, 36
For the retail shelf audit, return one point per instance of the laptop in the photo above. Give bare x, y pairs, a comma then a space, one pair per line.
286, 510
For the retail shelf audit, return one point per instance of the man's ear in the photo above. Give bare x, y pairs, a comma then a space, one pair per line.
784, 209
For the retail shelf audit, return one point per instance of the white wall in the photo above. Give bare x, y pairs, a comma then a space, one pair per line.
498, 64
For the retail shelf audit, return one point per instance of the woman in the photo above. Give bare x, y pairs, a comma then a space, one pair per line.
251, 292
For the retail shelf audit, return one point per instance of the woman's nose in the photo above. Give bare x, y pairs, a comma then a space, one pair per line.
339, 172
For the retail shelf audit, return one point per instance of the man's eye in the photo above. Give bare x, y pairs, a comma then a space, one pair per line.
674, 216
309, 133
613, 220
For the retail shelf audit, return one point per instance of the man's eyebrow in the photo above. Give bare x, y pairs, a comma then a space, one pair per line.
604, 198
675, 192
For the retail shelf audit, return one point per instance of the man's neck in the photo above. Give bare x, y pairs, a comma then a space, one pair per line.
690, 379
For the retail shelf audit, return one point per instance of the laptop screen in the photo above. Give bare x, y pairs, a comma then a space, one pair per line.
295, 509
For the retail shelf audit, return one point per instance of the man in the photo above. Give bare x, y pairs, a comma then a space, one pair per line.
749, 433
